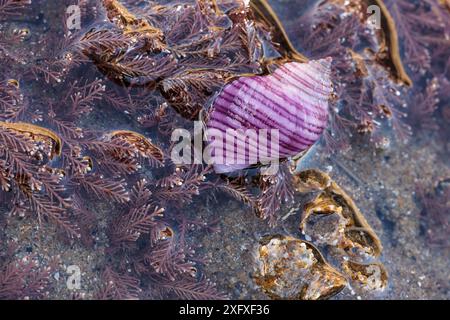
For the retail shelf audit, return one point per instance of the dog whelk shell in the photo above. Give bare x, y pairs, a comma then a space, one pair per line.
292, 101
290, 268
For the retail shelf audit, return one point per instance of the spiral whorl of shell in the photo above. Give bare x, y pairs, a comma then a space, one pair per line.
293, 100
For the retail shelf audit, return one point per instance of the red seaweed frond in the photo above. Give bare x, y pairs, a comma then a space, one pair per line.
118, 286
12, 7
187, 288
23, 279
276, 190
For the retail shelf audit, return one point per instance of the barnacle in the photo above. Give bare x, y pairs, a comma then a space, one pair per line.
389, 52
88, 164
166, 233
38, 134
290, 268
351, 233
370, 276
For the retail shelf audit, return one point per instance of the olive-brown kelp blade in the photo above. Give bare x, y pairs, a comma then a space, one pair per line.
390, 43
264, 13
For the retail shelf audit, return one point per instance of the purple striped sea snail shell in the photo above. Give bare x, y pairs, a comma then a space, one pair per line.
293, 100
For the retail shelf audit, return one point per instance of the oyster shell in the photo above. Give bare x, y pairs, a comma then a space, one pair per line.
371, 276
290, 268
350, 230
37, 134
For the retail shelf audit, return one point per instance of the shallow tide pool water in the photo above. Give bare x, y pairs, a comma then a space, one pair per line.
386, 145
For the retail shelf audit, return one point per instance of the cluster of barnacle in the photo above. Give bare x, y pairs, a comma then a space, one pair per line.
52, 164
373, 88
291, 268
